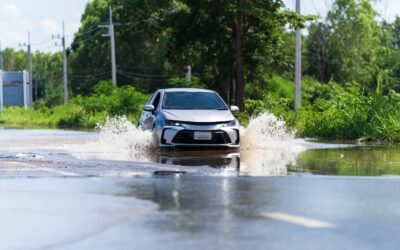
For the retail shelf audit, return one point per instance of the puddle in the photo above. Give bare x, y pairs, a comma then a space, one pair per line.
268, 149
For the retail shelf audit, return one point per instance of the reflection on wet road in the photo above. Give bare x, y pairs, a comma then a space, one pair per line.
194, 199
80, 153
369, 160
199, 212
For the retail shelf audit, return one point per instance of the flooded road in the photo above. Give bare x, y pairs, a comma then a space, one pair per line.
78, 190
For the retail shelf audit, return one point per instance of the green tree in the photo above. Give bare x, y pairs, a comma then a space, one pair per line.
47, 72
226, 42
317, 51
396, 32
140, 54
231, 40
354, 40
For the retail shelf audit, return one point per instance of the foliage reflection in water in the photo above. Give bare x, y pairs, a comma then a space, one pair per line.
267, 150
353, 161
343, 161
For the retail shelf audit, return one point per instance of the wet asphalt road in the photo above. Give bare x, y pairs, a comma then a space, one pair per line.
199, 212
52, 198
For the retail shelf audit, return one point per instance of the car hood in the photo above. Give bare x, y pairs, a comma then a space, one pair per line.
198, 115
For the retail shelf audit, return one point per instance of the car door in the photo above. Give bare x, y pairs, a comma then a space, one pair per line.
148, 118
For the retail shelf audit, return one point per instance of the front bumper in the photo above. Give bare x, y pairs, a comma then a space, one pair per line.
176, 136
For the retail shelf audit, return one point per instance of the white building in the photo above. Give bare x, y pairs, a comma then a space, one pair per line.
14, 89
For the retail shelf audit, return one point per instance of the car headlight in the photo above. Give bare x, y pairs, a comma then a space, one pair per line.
172, 123
229, 124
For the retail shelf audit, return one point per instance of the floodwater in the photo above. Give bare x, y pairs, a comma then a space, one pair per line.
87, 153
114, 190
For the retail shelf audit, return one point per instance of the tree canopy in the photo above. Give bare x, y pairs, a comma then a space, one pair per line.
236, 47
223, 41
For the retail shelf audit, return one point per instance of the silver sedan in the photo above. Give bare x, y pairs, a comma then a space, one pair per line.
190, 117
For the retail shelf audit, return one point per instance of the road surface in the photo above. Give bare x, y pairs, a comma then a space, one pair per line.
56, 195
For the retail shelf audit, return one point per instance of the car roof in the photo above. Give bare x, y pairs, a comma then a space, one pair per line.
187, 90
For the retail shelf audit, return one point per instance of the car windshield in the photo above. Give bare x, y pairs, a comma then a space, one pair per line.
193, 100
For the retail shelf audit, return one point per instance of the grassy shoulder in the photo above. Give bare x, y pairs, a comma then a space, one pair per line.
81, 112
329, 111
335, 112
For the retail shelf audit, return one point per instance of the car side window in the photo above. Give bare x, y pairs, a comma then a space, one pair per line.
151, 98
156, 101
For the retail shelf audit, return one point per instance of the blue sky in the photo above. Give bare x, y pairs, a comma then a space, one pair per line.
44, 18
387, 9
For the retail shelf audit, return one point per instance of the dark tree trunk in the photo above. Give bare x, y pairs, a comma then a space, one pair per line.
222, 83
321, 59
233, 90
239, 57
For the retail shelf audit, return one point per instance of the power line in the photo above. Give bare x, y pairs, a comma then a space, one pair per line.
315, 7
143, 74
89, 75
41, 42
28, 46
79, 42
139, 67
65, 62
110, 33
93, 28
143, 78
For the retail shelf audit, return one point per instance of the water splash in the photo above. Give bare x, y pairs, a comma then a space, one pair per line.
117, 139
268, 147
119, 131
266, 131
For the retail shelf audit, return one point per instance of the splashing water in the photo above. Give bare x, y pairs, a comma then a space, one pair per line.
119, 131
267, 146
266, 131
118, 139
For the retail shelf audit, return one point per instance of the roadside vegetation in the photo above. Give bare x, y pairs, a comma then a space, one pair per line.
351, 71
82, 111
333, 111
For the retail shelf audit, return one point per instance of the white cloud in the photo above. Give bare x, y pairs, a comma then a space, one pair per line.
50, 26
10, 10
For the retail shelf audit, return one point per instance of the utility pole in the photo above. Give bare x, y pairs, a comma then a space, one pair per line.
239, 71
65, 61
189, 73
30, 71
35, 89
1, 92
30, 97
297, 98
1, 59
111, 34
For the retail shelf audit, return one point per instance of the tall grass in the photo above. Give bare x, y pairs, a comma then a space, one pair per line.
81, 111
332, 111
329, 110
353, 114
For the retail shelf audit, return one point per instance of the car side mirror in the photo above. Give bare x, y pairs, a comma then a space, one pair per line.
149, 108
235, 109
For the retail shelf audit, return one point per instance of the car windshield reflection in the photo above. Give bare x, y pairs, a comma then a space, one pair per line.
193, 101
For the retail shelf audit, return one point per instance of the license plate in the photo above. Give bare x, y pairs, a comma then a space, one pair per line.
203, 136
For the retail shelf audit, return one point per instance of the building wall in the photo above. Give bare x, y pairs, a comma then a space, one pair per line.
13, 95
12, 86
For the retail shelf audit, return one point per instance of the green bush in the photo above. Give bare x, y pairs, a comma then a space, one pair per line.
328, 110
178, 82
331, 111
81, 111
353, 114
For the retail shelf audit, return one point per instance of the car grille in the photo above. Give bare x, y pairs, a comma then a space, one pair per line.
214, 162
187, 137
